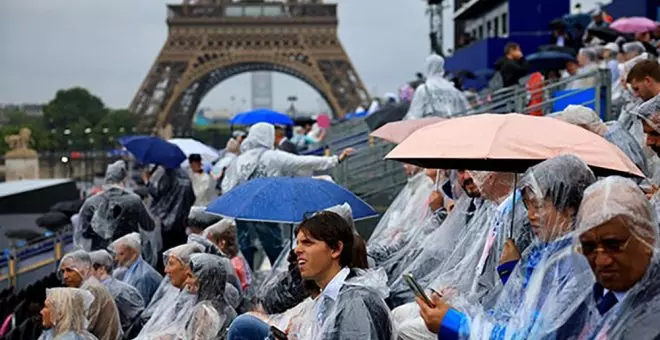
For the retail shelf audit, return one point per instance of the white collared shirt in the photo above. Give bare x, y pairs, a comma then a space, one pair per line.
332, 289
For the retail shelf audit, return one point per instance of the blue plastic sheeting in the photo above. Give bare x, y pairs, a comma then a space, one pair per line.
578, 97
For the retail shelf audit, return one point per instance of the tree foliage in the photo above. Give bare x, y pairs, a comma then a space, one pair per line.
75, 119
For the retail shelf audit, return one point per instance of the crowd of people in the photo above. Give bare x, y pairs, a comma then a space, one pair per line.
552, 253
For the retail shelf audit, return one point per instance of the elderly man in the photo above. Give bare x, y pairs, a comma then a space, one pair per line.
128, 300
619, 237
588, 60
103, 316
114, 212
136, 272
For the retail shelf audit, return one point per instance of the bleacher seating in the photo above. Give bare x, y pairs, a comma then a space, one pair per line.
25, 307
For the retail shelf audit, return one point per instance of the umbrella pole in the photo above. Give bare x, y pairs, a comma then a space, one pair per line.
513, 205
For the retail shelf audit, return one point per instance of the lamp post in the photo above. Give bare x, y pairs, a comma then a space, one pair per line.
88, 155
65, 158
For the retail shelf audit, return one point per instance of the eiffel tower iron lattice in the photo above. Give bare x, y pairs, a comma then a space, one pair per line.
213, 40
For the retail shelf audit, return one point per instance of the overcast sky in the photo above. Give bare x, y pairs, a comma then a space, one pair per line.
108, 46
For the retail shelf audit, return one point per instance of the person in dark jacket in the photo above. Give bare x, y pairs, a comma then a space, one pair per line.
282, 142
512, 66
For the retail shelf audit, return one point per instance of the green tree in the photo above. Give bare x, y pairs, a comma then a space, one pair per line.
71, 106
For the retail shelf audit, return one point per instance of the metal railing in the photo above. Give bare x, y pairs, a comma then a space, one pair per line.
376, 180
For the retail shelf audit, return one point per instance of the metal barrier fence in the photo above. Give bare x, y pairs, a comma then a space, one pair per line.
377, 180
20, 266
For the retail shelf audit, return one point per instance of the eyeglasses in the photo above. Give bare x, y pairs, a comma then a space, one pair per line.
610, 246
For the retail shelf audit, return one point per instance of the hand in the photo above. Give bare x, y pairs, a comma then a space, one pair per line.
449, 205
510, 252
650, 192
347, 152
433, 316
436, 200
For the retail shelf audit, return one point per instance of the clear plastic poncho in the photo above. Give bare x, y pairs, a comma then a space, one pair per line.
211, 314
140, 274
622, 96
172, 196
234, 290
584, 117
620, 137
213, 233
284, 289
128, 300
468, 273
259, 159
170, 305
114, 212
437, 96
402, 222
359, 311
200, 219
550, 278
103, 315
469, 219
636, 317
68, 307
232, 149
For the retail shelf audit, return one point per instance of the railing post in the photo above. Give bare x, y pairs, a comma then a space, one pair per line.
12, 267
606, 76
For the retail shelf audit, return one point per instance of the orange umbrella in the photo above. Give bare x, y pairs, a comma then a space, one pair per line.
508, 143
396, 132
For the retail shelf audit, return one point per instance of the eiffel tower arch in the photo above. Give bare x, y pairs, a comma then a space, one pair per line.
210, 41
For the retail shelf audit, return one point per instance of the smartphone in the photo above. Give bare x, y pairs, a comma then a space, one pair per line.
419, 292
278, 334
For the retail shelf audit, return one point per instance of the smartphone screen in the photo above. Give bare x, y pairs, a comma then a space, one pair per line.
278, 334
419, 292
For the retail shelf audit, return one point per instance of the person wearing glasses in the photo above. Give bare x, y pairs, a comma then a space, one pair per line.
619, 237
542, 284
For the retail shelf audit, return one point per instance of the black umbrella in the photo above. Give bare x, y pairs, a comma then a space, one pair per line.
387, 114
22, 234
607, 34
549, 60
302, 121
555, 48
53, 220
466, 74
68, 208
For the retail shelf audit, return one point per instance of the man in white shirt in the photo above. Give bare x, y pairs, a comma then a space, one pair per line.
348, 307
203, 184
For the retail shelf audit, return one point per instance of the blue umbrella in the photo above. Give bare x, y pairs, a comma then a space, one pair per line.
154, 150
261, 116
286, 200
549, 60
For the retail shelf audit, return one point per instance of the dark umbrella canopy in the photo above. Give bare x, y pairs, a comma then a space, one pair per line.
68, 208
154, 150
549, 60
53, 220
387, 114
607, 34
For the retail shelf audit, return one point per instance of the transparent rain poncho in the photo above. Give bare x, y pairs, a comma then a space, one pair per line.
584, 117
114, 212
550, 277
620, 137
198, 218
68, 307
170, 305
636, 317
469, 216
232, 149
103, 315
437, 96
211, 314
140, 274
128, 299
402, 221
467, 275
259, 159
359, 311
234, 293
227, 227
172, 196
623, 97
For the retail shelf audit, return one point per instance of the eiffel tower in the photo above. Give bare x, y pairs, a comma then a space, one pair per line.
212, 40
